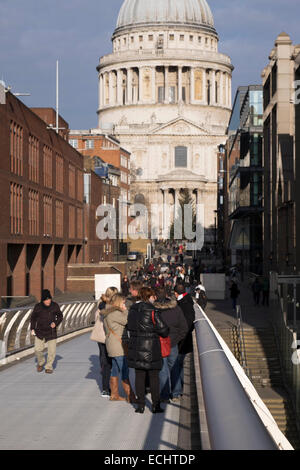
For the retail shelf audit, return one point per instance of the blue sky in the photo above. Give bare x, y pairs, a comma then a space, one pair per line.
35, 33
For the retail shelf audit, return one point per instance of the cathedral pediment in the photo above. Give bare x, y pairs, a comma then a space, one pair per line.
179, 126
181, 174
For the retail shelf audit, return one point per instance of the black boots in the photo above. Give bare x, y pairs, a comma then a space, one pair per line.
156, 408
140, 409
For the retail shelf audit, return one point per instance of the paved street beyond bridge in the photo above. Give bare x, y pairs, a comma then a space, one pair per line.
65, 411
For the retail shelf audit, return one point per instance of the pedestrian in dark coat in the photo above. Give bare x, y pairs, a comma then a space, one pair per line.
45, 318
172, 315
144, 351
186, 303
266, 291
125, 286
256, 289
234, 293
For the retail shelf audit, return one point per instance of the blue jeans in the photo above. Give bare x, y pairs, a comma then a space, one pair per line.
181, 358
120, 367
170, 373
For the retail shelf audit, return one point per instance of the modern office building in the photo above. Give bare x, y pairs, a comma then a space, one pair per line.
244, 180
281, 158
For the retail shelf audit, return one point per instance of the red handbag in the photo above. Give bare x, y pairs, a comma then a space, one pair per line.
165, 343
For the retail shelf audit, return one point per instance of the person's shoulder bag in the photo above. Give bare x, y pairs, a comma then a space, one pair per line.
165, 343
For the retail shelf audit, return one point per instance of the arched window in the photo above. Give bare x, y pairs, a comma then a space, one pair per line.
181, 157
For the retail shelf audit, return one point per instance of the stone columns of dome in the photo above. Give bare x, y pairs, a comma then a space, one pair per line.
221, 94
213, 87
192, 81
153, 78
106, 88
226, 90
204, 90
140, 85
100, 91
111, 90
229, 91
166, 84
119, 87
179, 84
129, 86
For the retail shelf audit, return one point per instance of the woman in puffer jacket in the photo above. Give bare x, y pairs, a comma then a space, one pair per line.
144, 352
114, 322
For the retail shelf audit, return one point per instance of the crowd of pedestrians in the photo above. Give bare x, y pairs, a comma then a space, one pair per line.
147, 327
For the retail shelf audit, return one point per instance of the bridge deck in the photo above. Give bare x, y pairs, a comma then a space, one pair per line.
65, 410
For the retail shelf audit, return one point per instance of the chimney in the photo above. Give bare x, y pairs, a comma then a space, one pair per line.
2, 93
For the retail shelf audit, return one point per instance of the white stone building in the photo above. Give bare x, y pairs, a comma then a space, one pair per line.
165, 93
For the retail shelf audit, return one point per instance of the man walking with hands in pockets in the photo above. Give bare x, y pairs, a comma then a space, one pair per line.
45, 318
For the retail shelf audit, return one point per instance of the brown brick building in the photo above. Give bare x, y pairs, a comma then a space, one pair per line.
41, 188
94, 146
97, 191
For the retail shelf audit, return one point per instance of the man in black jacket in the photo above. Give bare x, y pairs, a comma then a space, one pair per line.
45, 318
186, 303
174, 318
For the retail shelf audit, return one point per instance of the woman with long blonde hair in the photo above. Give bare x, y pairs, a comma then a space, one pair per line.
115, 321
98, 335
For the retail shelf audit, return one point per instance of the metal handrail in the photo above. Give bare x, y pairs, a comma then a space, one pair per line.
15, 323
237, 418
241, 339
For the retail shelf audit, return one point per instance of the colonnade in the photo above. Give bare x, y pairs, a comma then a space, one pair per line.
164, 84
170, 211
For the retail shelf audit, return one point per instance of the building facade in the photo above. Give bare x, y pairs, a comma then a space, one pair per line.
165, 93
104, 155
245, 179
99, 190
281, 158
41, 188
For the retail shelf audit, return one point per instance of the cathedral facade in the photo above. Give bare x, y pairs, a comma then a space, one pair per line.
165, 93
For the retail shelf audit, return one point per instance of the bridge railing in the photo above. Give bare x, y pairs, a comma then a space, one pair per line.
236, 417
15, 332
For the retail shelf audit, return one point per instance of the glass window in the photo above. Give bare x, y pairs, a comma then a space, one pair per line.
74, 143
161, 94
89, 144
172, 93
181, 157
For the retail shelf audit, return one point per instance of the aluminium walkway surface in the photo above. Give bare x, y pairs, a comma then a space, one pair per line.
65, 411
